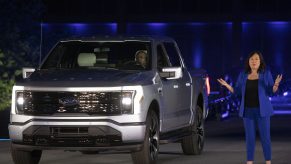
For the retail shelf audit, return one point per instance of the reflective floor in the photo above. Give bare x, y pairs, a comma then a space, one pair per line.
224, 145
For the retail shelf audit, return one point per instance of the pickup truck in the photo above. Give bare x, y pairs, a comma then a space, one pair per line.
109, 93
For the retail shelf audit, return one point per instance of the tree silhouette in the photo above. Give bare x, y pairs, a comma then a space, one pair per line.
19, 42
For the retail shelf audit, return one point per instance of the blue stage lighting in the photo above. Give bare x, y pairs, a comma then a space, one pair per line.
226, 114
279, 26
282, 112
157, 25
197, 56
112, 26
78, 27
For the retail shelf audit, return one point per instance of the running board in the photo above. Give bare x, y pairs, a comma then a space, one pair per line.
174, 136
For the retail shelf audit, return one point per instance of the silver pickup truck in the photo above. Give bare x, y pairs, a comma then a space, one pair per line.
109, 93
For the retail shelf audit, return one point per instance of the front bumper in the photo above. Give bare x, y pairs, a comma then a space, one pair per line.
76, 134
128, 147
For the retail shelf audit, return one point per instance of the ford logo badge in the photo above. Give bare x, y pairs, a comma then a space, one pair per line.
68, 101
61, 109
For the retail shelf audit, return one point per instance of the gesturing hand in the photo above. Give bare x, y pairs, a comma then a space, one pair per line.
222, 82
278, 79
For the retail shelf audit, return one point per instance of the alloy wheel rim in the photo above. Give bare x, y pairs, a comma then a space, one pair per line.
153, 139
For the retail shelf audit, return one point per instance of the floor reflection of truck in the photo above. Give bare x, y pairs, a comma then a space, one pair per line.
222, 106
281, 100
222, 103
94, 94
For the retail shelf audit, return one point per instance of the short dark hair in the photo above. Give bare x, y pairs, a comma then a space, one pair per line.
262, 66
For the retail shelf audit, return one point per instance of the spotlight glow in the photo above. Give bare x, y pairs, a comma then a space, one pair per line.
224, 115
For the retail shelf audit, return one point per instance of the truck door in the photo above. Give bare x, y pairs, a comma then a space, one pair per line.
168, 94
183, 86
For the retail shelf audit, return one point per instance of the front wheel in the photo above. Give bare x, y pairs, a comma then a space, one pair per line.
150, 150
25, 157
193, 144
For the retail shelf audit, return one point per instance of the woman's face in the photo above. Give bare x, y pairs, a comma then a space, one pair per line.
255, 61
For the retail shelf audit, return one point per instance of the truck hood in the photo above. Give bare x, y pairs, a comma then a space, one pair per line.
87, 78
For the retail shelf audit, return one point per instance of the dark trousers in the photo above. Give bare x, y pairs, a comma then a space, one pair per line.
252, 119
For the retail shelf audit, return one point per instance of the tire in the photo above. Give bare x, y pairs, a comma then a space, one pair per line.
25, 157
193, 144
150, 150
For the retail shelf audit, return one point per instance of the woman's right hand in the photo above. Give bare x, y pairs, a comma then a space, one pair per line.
222, 82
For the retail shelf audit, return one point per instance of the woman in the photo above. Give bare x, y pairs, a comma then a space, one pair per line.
254, 85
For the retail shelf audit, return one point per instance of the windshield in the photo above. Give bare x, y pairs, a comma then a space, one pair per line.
124, 55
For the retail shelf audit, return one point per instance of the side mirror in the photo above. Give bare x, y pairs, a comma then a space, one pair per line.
171, 72
26, 72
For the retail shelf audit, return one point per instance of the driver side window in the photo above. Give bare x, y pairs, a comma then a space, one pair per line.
173, 54
162, 58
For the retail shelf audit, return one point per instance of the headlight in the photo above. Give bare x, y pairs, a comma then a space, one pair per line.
19, 102
127, 102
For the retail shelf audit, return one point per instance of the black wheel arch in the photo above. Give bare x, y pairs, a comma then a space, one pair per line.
154, 106
200, 102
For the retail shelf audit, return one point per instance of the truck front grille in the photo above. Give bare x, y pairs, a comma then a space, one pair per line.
48, 103
71, 136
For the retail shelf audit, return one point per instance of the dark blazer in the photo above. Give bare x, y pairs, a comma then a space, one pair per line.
265, 90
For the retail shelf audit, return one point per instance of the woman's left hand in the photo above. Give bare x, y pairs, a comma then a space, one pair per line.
278, 79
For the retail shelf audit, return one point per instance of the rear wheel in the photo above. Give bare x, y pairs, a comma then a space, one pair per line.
193, 144
25, 157
150, 150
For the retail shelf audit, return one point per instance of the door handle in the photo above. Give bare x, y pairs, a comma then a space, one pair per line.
188, 84
160, 90
176, 86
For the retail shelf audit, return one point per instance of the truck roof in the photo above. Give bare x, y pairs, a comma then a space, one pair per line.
119, 38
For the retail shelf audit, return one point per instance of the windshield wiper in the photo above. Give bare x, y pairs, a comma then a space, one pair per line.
112, 68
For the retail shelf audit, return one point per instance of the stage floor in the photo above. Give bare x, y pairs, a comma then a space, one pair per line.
224, 145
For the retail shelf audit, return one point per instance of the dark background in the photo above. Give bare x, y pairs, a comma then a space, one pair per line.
216, 35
